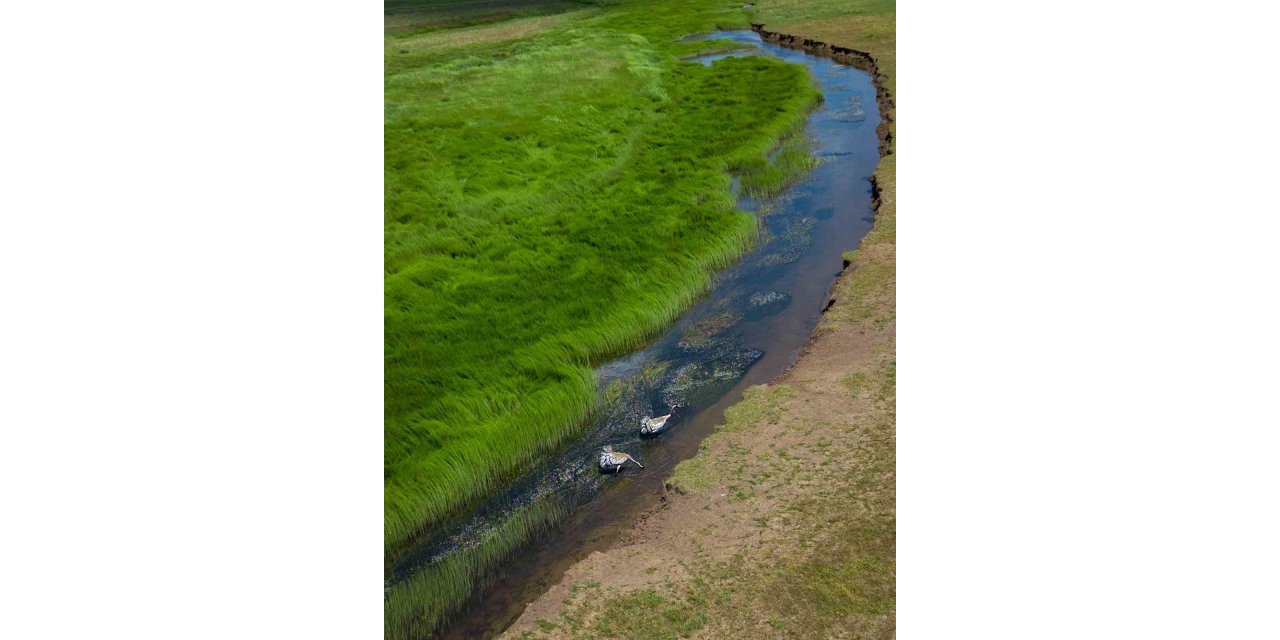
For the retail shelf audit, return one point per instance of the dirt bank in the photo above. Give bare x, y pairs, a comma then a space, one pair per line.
784, 524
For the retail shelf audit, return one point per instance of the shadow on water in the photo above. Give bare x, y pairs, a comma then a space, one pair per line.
749, 329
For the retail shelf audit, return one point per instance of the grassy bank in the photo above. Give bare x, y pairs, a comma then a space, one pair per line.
419, 605
783, 526
556, 191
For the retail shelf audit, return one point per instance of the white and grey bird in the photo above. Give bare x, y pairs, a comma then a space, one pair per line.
654, 426
611, 461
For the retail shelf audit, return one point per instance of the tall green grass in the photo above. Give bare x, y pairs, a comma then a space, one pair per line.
793, 158
550, 202
419, 606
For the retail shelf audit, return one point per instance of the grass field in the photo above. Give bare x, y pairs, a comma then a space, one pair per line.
557, 190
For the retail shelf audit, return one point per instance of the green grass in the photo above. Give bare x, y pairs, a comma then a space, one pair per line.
551, 200
420, 605
761, 403
793, 158
649, 614
855, 383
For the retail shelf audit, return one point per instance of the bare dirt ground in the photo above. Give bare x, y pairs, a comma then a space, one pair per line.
783, 525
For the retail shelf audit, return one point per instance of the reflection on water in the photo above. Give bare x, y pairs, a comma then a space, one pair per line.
747, 330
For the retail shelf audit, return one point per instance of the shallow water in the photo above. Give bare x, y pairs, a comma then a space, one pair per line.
749, 329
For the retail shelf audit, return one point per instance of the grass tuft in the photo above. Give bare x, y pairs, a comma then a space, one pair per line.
761, 403
419, 605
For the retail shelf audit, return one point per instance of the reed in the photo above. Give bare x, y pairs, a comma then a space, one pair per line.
419, 605
791, 160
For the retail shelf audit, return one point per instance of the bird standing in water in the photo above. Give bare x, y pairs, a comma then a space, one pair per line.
612, 461
654, 426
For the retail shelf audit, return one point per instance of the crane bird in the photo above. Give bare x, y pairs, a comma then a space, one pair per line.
654, 426
612, 461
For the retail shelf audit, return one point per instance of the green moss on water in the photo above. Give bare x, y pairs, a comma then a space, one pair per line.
700, 335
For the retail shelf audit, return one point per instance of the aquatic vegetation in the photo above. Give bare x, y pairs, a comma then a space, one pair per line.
765, 303
635, 399
855, 109
417, 606
796, 236
765, 298
551, 200
653, 370
765, 177
717, 370
700, 334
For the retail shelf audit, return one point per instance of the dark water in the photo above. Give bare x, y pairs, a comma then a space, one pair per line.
748, 330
